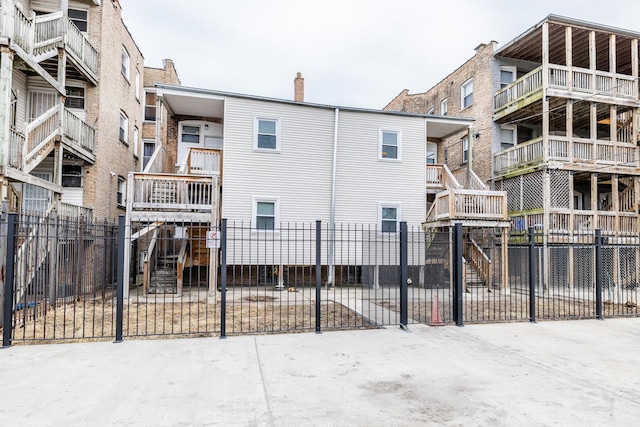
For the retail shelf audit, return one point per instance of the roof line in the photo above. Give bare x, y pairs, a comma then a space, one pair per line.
201, 91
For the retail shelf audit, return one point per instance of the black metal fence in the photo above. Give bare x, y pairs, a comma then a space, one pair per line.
72, 280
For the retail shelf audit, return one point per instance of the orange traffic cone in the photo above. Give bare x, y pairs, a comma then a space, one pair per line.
436, 320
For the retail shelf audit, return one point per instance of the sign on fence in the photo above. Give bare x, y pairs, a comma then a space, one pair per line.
213, 239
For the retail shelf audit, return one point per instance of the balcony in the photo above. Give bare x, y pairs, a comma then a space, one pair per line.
569, 150
171, 197
561, 81
28, 148
38, 37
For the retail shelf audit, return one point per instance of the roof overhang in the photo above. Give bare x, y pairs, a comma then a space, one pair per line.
440, 127
188, 102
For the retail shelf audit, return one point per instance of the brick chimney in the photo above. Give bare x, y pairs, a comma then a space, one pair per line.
298, 88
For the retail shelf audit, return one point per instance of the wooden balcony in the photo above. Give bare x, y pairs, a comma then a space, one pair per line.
568, 150
38, 36
202, 161
621, 226
171, 197
439, 177
470, 207
562, 81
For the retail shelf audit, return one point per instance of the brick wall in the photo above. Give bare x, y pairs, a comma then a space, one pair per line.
479, 68
114, 93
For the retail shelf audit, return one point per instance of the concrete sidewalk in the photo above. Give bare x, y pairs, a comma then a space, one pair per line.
574, 373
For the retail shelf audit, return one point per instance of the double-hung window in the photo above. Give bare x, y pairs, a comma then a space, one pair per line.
267, 134
390, 145
124, 128
74, 98
122, 191
466, 94
507, 76
265, 213
190, 134
444, 107
150, 106
80, 18
465, 149
507, 137
389, 215
125, 63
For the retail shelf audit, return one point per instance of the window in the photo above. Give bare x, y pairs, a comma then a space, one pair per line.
465, 149
150, 106
432, 150
267, 134
126, 62
389, 215
190, 134
122, 191
431, 110
148, 147
507, 76
467, 94
265, 213
75, 98
71, 176
124, 128
390, 145
137, 84
507, 137
80, 18
135, 141
443, 107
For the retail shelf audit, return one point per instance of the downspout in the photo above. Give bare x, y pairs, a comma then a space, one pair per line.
332, 214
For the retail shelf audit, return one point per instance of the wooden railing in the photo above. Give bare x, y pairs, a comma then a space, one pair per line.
160, 161
16, 145
565, 149
77, 130
41, 131
39, 34
150, 261
480, 261
469, 180
168, 192
594, 82
579, 222
469, 204
65, 210
521, 88
202, 161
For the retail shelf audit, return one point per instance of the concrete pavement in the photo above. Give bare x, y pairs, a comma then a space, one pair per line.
571, 373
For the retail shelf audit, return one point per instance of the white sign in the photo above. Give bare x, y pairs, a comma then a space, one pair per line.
213, 239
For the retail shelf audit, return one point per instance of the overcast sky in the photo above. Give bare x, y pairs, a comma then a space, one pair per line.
358, 53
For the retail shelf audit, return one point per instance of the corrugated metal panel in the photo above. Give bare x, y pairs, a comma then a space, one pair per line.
299, 175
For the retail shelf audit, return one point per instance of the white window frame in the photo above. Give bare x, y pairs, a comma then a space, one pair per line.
397, 207
515, 137
508, 69
465, 148
137, 84
464, 94
123, 129
444, 107
154, 106
256, 127
121, 189
431, 110
432, 153
145, 143
125, 63
382, 153
189, 125
136, 135
254, 213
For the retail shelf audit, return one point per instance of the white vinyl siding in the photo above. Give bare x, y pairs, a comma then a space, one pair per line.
301, 173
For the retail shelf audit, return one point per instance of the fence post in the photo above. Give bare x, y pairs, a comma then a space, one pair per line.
404, 276
599, 274
223, 278
458, 291
318, 273
532, 275
8, 280
120, 279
